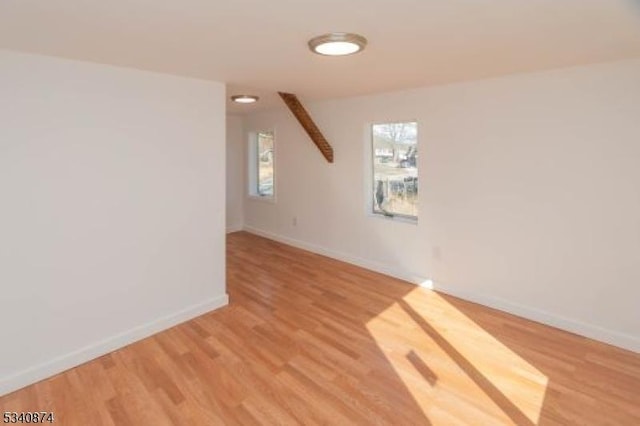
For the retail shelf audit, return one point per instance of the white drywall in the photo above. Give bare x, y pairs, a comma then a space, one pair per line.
235, 173
112, 192
529, 193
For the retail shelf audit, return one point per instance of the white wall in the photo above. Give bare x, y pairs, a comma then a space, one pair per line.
112, 191
235, 173
529, 196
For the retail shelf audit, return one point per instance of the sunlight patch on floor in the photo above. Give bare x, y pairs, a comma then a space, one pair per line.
446, 361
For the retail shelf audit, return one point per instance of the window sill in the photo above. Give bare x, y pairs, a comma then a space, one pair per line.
401, 219
263, 198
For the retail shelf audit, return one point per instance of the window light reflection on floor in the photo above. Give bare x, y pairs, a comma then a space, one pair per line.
451, 356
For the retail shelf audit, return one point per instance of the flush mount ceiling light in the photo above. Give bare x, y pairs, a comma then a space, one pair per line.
337, 44
244, 99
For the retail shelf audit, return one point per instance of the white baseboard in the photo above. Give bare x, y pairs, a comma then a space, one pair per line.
621, 340
110, 344
234, 228
354, 260
591, 331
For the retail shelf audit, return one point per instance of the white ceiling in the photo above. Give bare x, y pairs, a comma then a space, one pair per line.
259, 46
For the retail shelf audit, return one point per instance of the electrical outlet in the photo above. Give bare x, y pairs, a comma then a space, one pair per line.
294, 221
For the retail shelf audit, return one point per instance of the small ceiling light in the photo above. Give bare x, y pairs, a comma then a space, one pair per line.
244, 99
337, 44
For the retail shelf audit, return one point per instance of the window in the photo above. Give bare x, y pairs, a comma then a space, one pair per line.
394, 148
265, 164
261, 165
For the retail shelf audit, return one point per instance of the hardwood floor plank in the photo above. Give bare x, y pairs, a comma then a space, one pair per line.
310, 340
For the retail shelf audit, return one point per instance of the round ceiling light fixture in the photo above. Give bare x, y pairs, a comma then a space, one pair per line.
337, 44
245, 99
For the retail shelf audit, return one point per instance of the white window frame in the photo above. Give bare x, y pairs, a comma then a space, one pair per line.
253, 166
369, 173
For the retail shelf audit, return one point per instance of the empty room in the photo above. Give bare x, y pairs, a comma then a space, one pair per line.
408, 212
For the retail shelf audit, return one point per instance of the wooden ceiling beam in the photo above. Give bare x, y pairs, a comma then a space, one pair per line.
307, 124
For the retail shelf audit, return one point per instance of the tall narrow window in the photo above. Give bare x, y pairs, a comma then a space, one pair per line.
395, 169
265, 169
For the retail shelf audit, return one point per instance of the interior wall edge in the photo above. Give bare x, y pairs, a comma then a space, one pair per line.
97, 349
408, 276
234, 228
591, 331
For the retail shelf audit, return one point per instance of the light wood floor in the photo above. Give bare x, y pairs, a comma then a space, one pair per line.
310, 340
